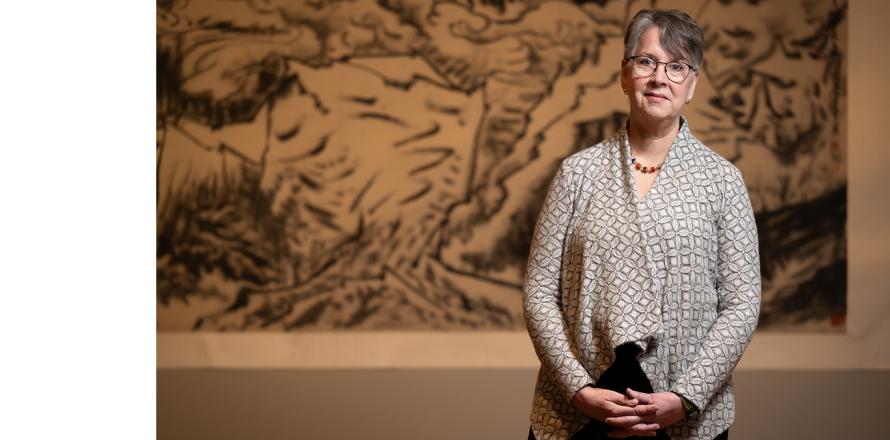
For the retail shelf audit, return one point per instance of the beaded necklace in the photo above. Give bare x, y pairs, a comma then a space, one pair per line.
644, 169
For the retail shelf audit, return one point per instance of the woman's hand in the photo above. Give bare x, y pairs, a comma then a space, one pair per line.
602, 404
667, 409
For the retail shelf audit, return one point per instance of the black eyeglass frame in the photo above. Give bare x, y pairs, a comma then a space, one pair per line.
657, 63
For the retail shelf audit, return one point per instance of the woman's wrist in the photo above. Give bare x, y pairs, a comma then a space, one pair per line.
689, 408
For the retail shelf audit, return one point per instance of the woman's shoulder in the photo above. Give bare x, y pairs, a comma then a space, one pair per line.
591, 158
712, 162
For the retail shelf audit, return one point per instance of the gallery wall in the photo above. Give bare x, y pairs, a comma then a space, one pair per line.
854, 344
322, 385
379, 165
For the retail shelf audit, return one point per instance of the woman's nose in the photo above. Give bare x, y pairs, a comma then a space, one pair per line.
660, 74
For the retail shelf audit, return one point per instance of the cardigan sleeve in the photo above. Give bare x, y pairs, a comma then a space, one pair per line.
542, 289
738, 290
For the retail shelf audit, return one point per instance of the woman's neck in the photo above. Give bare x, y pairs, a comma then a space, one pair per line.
652, 139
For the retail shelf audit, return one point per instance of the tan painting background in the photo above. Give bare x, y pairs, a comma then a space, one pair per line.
379, 165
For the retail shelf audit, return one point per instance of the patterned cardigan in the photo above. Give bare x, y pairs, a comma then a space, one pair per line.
676, 272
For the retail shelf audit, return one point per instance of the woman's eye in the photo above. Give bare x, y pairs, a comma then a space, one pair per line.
676, 67
647, 61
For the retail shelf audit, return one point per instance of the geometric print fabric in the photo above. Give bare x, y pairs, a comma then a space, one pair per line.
676, 272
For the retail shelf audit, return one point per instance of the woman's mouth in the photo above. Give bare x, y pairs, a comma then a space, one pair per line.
655, 96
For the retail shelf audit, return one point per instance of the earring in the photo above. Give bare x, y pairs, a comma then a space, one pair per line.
625, 91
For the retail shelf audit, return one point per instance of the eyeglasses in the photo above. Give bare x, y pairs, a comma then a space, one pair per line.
676, 71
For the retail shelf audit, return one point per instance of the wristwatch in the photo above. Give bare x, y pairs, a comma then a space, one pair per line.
690, 407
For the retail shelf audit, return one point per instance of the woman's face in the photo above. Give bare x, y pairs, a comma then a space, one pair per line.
655, 98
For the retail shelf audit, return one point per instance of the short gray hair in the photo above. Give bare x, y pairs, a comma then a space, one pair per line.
680, 35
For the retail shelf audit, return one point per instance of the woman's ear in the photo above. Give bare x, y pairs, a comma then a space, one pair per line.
693, 82
624, 84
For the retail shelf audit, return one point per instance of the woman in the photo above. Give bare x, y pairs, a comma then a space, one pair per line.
643, 283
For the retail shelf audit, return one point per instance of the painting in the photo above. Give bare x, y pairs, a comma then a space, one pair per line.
378, 165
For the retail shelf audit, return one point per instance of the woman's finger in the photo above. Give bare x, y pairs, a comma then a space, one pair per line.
624, 421
645, 410
620, 410
644, 398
